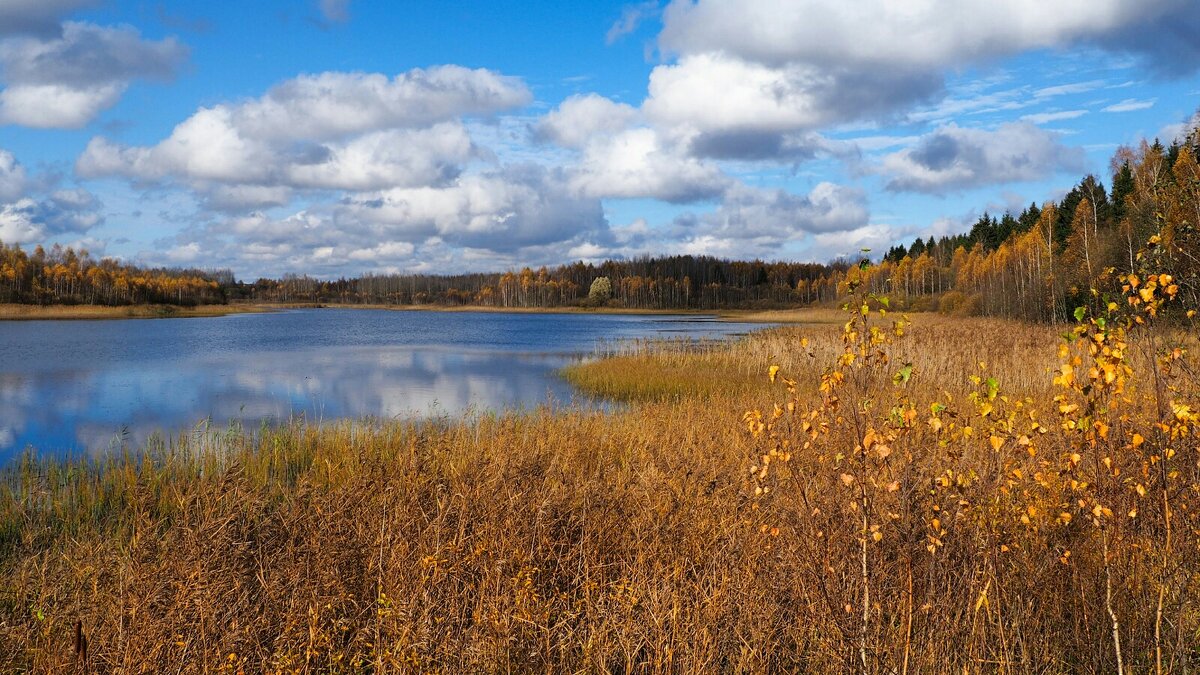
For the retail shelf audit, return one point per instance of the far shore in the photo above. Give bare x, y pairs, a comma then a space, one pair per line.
19, 312
15, 312
788, 315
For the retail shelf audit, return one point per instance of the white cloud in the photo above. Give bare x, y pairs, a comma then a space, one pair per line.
1069, 89
383, 159
515, 214
65, 82
618, 159
13, 179
848, 244
879, 33
748, 212
335, 104
33, 221
953, 158
499, 211
579, 119
637, 163
238, 197
732, 108
756, 222
388, 252
1042, 118
1130, 105
713, 92
749, 72
33, 210
332, 131
1179, 130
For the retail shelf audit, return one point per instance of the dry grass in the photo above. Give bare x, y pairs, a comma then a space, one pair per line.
945, 352
803, 315
584, 542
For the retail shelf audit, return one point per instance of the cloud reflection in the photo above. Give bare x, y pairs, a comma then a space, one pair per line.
108, 384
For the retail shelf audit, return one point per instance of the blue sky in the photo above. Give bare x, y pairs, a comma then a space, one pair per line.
340, 137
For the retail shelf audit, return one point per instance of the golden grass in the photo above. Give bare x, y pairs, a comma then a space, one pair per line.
18, 312
945, 353
583, 542
800, 315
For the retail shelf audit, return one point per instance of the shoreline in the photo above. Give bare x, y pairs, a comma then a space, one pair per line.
793, 315
20, 312
17, 312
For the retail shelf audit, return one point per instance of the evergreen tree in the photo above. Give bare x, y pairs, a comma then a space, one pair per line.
1029, 218
1122, 187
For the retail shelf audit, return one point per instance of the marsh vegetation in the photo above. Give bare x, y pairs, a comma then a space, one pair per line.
1000, 532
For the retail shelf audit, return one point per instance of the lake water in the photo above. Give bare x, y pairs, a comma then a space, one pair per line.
74, 386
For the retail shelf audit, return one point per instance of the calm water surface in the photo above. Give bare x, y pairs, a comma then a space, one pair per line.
70, 386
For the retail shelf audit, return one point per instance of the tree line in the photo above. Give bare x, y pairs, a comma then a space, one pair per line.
65, 276
672, 282
1041, 264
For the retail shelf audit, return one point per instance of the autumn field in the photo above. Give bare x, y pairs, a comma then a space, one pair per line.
876, 494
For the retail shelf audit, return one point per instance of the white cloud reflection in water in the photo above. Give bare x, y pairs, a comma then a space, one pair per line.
91, 386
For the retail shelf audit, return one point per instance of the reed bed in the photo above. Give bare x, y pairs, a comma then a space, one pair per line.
946, 351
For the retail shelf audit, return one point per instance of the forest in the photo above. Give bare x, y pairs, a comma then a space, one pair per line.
1038, 265
65, 276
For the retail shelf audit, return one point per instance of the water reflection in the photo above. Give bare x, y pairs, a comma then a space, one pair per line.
89, 386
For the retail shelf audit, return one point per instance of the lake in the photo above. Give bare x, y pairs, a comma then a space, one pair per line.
87, 386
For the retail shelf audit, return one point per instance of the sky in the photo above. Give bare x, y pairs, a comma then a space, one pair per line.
347, 137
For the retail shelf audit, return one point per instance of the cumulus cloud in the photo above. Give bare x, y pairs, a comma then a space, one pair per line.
336, 104
638, 163
332, 131
716, 92
33, 221
39, 17
208, 148
33, 210
513, 213
933, 34
749, 212
760, 222
619, 157
499, 211
953, 158
734, 108
66, 81
13, 179
579, 119
874, 237
747, 74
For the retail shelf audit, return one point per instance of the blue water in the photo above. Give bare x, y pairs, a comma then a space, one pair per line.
88, 386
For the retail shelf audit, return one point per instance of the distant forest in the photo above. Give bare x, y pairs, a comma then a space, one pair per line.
1036, 265
65, 276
